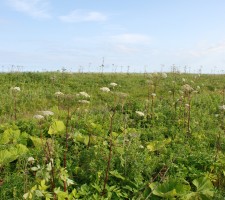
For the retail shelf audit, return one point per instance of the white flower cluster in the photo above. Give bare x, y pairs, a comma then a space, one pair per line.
139, 113
105, 89
113, 84
15, 89
153, 95
164, 75
46, 113
59, 94
84, 101
222, 107
187, 88
39, 117
84, 94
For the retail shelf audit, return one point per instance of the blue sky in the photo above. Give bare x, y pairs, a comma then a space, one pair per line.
149, 35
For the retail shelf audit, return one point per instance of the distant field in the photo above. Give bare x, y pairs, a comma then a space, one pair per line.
112, 136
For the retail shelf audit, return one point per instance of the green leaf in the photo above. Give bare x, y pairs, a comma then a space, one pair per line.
10, 135
204, 189
169, 189
157, 145
116, 174
57, 128
79, 137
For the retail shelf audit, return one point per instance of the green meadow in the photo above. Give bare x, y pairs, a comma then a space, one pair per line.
102, 136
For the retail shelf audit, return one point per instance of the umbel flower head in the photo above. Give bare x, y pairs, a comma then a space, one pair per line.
105, 89
113, 84
139, 113
84, 94
187, 88
39, 117
164, 75
222, 107
46, 113
153, 95
59, 94
15, 89
84, 101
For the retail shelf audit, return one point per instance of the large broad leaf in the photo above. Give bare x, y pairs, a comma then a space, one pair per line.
169, 189
9, 135
7, 156
204, 189
79, 137
38, 143
57, 128
157, 145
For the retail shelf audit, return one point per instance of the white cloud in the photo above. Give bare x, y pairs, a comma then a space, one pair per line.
34, 8
209, 50
125, 49
81, 16
131, 38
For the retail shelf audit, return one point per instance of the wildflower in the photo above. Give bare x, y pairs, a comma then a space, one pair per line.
150, 82
164, 75
30, 160
153, 95
187, 105
84, 94
222, 107
198, 88
113, 84
141, 114
15, 89
46, 113
84, 101
59, 94
187, 88
105, 89
183, 79
38, 117
170, 92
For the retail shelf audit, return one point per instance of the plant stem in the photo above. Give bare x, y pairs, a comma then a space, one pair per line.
189, 115
110, 153
66, 149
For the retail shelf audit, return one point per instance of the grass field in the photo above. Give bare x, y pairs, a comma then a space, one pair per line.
112, 136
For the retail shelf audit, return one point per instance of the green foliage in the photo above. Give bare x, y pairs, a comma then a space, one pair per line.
170, 189
57, 128
69, 154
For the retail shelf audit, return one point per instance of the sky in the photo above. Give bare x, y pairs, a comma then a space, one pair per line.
121, 35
